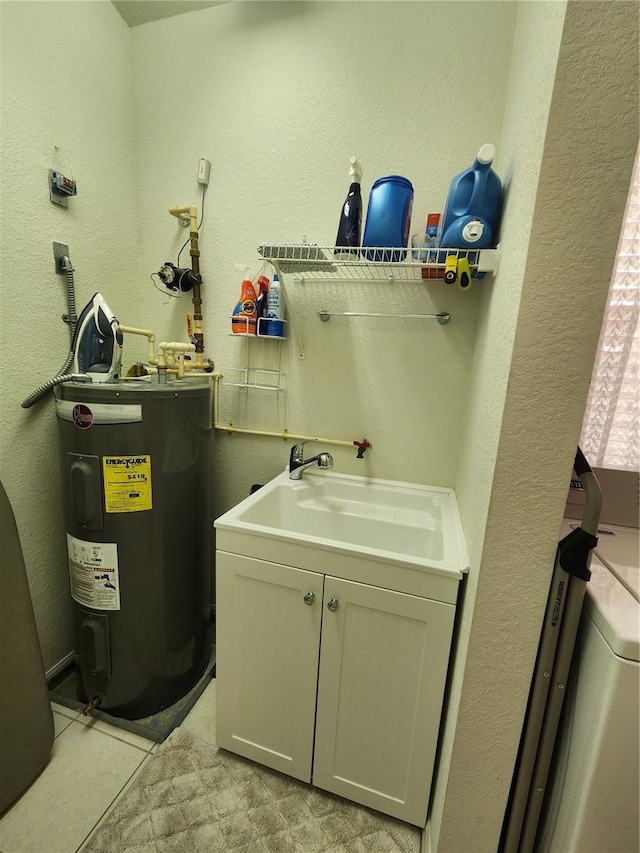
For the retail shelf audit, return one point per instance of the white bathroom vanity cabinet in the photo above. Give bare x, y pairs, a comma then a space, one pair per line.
331, 666
330, 681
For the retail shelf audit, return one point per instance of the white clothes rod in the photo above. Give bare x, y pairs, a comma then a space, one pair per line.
442, 318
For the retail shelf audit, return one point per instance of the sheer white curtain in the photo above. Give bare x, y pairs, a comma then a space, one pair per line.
611, 429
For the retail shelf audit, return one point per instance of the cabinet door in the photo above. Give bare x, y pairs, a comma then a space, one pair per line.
267, 648
383, 666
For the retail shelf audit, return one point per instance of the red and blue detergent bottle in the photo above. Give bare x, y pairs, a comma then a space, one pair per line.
243, 319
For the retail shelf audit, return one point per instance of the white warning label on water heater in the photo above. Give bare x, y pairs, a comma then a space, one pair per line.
93, 573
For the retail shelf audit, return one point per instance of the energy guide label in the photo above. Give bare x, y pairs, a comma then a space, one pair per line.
93, 573
127, 483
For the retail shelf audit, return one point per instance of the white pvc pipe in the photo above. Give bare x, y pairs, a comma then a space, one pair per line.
285, 434
168, 349
148, 334
176, 346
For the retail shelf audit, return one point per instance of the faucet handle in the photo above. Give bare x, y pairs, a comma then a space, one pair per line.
297, 451
297, 462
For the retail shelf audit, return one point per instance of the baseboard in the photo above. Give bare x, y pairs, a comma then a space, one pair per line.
59, 667
425, 844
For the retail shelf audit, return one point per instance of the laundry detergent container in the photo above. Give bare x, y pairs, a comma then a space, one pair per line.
136, 475
388, 219
473, 206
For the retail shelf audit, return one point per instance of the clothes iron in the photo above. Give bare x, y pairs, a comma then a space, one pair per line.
97, 343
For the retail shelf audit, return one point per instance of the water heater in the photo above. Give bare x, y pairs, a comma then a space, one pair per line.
136, 481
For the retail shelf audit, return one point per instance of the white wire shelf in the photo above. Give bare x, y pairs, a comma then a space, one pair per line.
385, 263
257, 378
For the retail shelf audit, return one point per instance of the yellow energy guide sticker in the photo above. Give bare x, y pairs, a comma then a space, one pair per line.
127, 483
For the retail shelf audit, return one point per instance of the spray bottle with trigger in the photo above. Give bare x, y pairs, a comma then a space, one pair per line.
243, 319
261, 303
348, 237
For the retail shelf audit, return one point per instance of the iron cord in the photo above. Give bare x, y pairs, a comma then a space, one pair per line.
71, 302
72, 319
44, 389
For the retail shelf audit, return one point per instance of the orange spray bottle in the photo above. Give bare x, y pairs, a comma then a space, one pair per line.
243, 320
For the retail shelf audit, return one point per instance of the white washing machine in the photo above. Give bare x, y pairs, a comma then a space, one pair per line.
594, 789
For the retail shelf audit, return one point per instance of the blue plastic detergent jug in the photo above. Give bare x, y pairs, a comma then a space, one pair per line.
472, 210
388, 218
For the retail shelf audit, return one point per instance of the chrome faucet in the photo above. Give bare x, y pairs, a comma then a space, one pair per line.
298, 464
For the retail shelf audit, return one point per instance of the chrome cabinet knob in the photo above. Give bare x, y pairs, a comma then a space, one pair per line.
309, 598
332, 604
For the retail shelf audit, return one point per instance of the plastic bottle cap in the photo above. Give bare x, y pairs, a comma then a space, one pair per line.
486, 154
473, 231
405, 182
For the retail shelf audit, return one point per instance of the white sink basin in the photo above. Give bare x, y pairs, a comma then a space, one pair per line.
400, 523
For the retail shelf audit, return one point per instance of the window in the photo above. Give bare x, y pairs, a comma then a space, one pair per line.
611, 430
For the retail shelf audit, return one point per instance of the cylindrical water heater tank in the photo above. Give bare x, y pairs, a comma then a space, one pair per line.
136, 480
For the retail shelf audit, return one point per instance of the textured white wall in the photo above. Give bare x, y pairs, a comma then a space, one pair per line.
66, 82
279, 96
531, 79
519, 486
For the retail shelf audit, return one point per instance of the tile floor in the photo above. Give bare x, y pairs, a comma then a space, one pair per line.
92, 764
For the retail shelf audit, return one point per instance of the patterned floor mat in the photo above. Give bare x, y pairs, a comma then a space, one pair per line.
193, 796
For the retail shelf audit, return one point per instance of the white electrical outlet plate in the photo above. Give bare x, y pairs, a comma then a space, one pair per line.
204, 169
